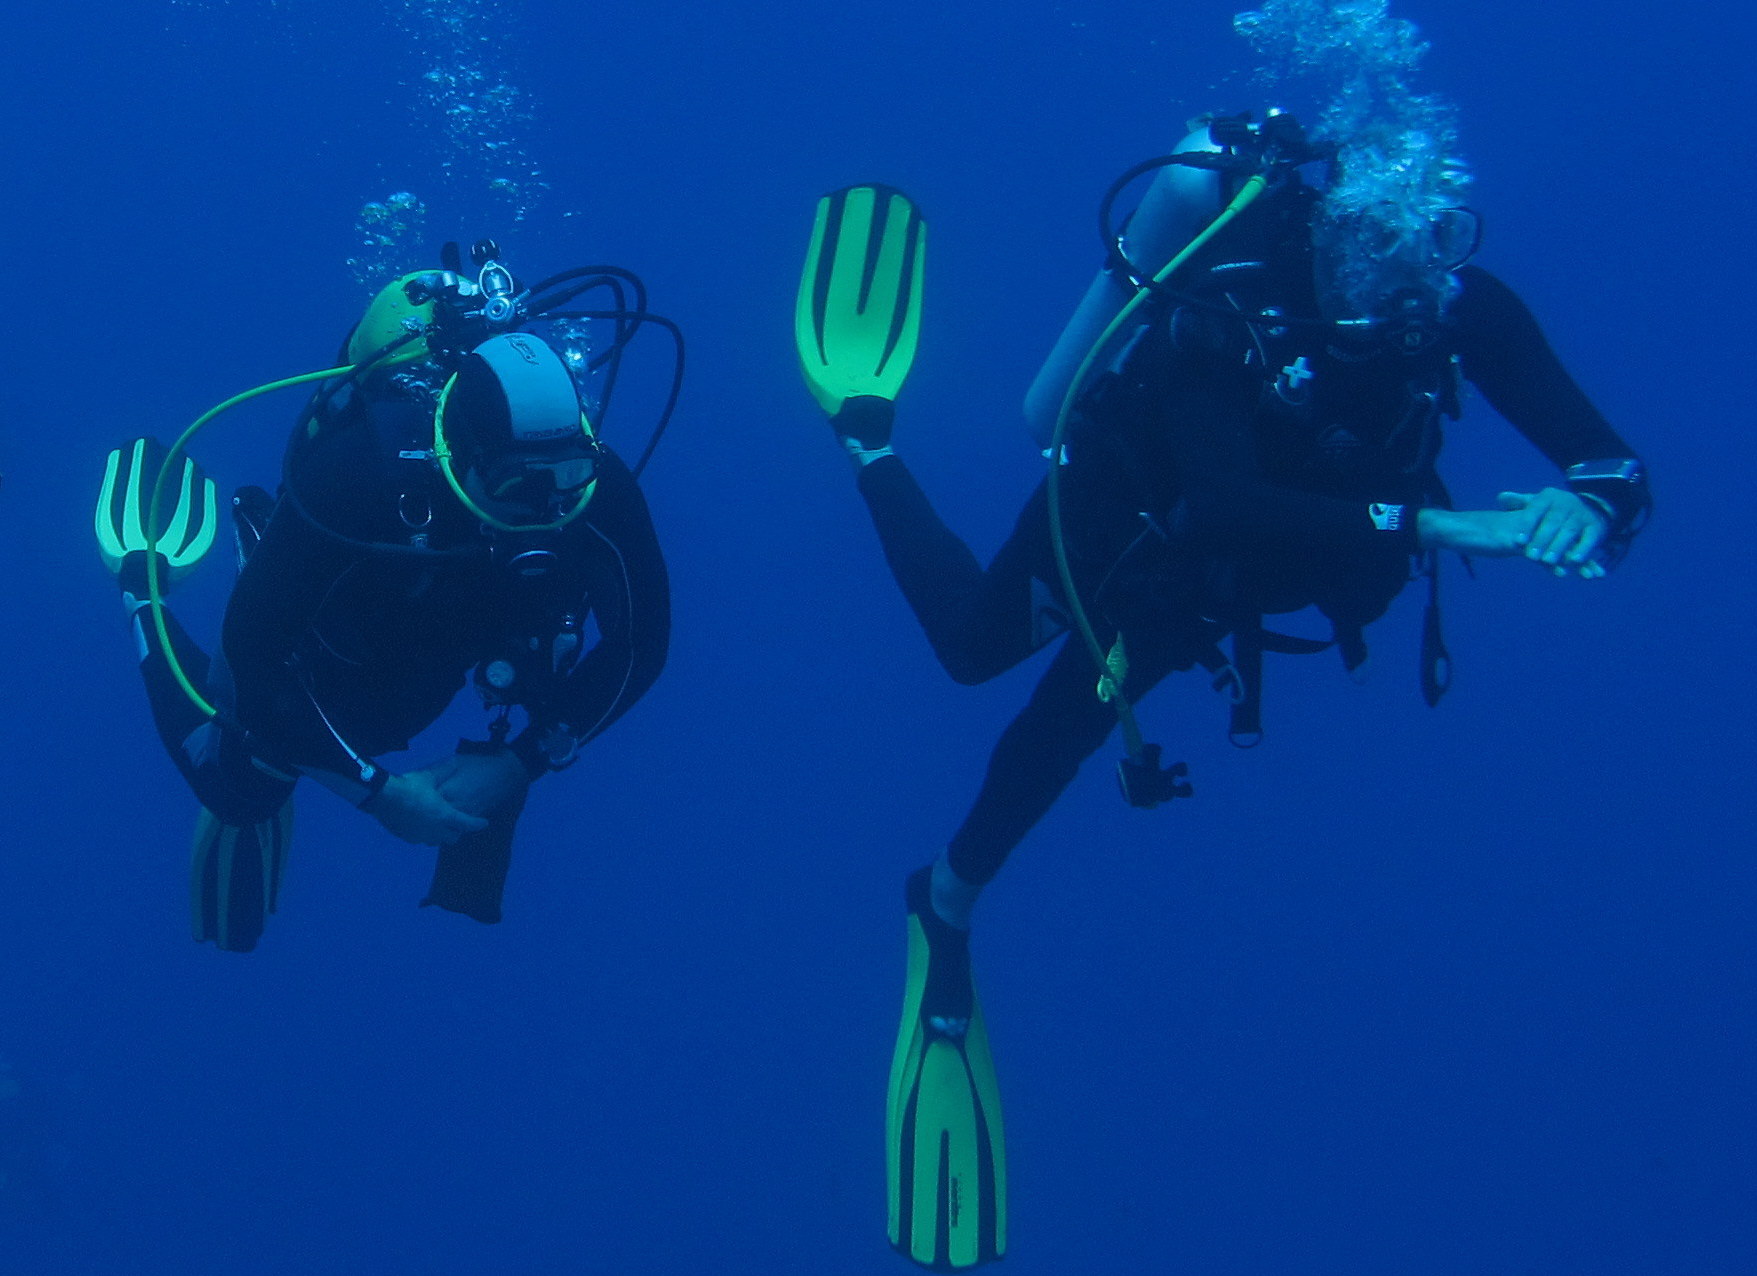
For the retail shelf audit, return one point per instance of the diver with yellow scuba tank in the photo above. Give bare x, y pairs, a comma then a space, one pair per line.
1242, 419
446, 505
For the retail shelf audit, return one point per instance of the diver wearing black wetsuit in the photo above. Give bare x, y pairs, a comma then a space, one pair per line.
369, 590
1220, 471
373, 592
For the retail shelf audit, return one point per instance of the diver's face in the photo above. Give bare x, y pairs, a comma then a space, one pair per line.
1375, 276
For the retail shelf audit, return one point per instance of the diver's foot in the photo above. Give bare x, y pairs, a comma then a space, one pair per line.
131, 579
954, 899
947, 1002
946, 1148
863, 426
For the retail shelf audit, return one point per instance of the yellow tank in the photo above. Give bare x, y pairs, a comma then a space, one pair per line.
386, 319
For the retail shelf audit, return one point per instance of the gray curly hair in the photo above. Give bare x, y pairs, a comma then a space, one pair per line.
1397, 168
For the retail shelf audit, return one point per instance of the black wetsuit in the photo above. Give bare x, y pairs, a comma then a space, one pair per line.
1220, 471
371, 595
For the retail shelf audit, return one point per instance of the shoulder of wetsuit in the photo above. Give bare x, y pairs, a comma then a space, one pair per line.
1483, 299
1488, 321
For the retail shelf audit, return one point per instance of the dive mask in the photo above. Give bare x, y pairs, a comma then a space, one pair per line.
1387, 277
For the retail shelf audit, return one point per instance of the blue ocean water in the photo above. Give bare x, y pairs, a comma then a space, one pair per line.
1405, 992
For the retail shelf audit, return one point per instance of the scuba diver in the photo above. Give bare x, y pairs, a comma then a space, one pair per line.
446, 505
1242, 419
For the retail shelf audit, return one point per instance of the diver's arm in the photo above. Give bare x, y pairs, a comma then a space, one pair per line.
1553, 527
1228, 498
629, 592
1506, 355
431, 806
438, 804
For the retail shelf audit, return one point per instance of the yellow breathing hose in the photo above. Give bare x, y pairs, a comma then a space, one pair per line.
1112, 667
154, 592
442, 454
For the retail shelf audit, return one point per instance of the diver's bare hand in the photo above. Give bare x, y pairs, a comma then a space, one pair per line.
412, 808
480, 782
1566, 531
1530, 526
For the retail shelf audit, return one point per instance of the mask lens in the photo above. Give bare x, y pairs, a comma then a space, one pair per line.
533, 480
1457, 232
571, 476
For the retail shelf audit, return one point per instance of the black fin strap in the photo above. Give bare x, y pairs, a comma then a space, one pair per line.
1436, 661
1246, 728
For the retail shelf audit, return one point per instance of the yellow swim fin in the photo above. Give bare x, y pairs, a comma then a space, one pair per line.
858, 315
235, 876
946, 1165
189, 509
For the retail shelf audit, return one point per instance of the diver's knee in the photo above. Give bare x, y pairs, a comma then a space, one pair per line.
968, 670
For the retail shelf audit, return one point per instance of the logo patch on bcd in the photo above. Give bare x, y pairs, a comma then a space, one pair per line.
1387, 518
1294, 385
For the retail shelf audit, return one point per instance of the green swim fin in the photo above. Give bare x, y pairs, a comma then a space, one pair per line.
235, 876
946, 1155
189, 509
858, 315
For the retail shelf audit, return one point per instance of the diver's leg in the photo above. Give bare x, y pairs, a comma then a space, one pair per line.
212, 760
245, 825
1037, 757
946, 1146
980, 622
